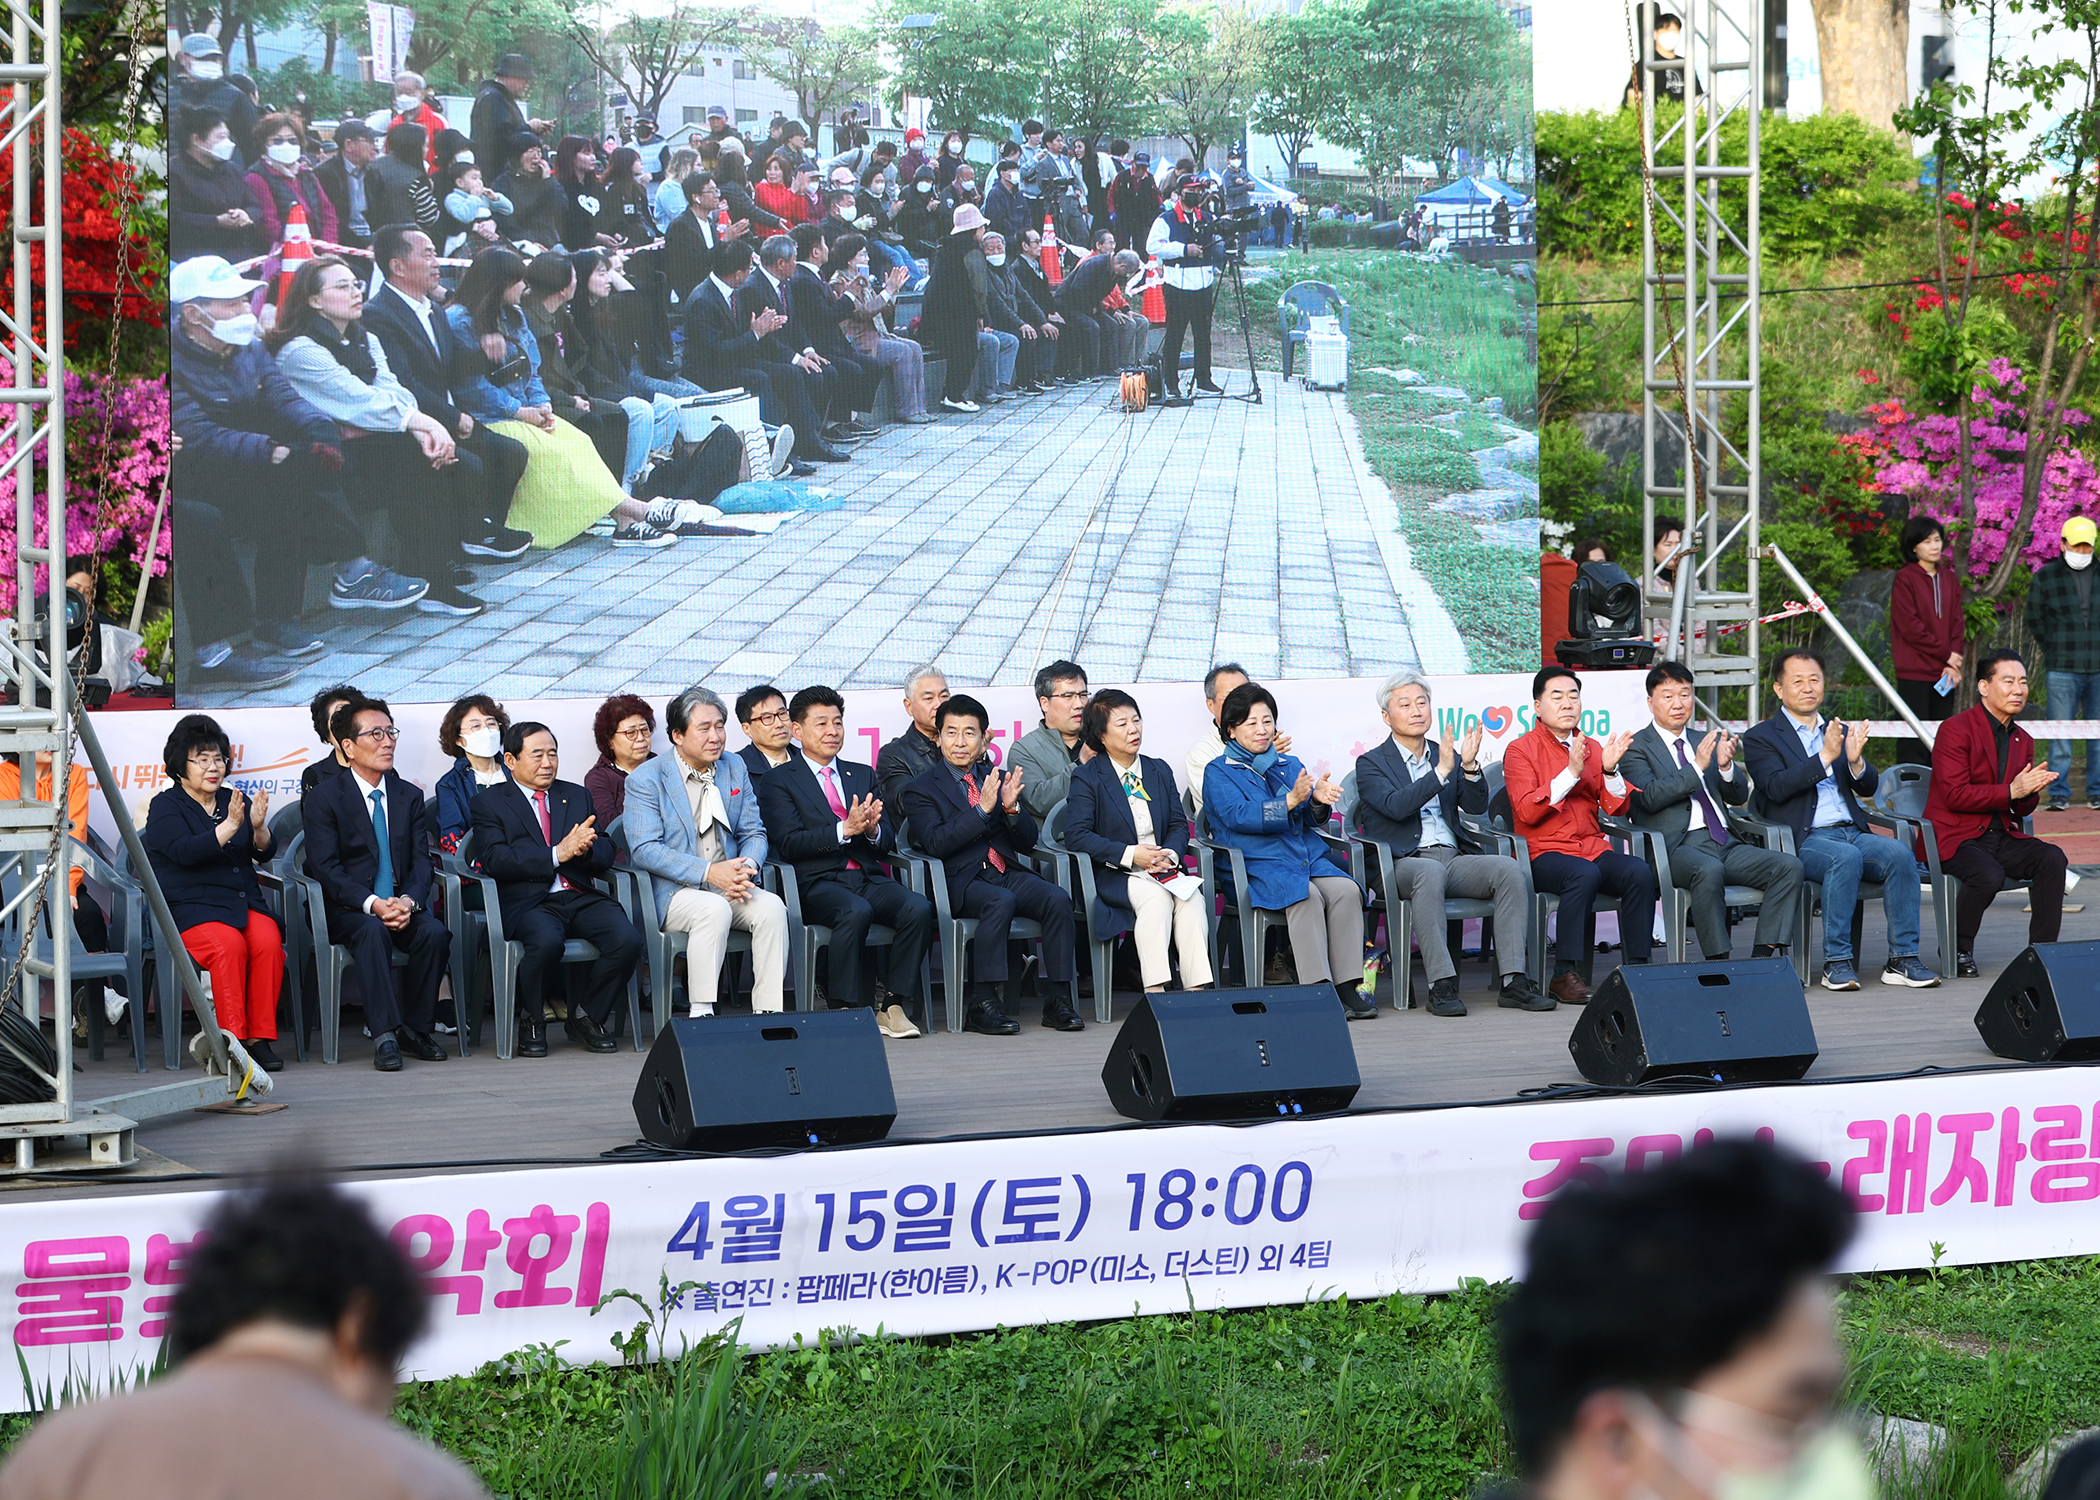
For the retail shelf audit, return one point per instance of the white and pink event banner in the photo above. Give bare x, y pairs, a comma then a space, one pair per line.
942, 1237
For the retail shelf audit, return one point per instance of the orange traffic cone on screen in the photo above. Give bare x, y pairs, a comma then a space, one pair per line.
1154, 301
1053, 262
298, 250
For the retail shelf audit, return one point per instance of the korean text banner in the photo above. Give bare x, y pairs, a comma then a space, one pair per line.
942, 1237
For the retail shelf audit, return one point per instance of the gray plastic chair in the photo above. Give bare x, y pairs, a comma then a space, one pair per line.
955, 934
1401, 923
1900, 795
125, 959
660, 946
1077, 876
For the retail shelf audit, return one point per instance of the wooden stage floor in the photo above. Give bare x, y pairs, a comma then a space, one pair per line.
573, 1105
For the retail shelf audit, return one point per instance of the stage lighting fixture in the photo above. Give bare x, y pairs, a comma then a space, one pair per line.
1604, 620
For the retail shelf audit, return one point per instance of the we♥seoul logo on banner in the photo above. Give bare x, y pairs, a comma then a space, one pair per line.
1501, 705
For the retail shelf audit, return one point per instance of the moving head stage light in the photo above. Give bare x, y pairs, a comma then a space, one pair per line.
1604, 620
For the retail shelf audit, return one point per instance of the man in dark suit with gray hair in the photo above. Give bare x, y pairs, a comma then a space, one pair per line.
1409, 793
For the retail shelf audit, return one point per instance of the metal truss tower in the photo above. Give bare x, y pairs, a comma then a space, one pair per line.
1700, 334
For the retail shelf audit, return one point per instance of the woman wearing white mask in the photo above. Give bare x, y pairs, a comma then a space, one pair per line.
281, 178
852, 275
472, 734
211, 208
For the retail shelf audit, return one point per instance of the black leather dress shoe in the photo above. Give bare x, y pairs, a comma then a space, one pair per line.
819, 451
595, 1038
264, 1056
1205, 385
989, 1020
1058, 1015
797, 469
386, 1057
532, 1038
419, 1044
1357, 1008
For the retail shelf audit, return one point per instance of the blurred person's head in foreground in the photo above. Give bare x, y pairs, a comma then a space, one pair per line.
1675, 1336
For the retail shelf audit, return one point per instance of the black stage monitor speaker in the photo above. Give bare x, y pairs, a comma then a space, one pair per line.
728, 1083
1233, 1055
1734, 1021
2045, 1007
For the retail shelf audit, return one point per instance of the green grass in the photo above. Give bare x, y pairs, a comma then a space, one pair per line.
1393, 1398
1457, 325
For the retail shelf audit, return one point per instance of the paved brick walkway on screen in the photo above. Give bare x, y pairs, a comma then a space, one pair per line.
1147, 547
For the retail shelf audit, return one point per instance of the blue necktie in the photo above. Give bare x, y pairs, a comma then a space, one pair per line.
383, 883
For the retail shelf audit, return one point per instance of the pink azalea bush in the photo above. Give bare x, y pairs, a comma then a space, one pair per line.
112, 485
1918, 457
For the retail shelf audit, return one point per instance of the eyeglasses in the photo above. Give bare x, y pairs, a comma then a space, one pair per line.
385, 732
1075, 697
638, 732
778, 716
208, 762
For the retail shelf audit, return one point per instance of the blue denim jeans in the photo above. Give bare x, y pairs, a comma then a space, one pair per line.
885, 257
1841, 858
2074, 695
651, 423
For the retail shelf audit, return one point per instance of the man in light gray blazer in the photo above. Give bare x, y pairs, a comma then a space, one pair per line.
1679, 781
692, 822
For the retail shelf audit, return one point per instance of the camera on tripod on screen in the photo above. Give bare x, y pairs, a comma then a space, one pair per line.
1225, 236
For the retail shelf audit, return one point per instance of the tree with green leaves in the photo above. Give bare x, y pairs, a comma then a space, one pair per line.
1298, 60
647, 54
1431, 78
459, 38
823, 67
975, 62
1205, 66
1983, 149
1101, 70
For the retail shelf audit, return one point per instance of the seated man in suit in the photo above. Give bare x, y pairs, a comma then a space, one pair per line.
762, 713
1408, 798
815, 312
788, 344
827, 821
969, 817
538, 838
722, 349
368, 845
691, 238
1559, 779
693, 823
1984, 783
1679, 782
426, 356
912, 753
1808, 770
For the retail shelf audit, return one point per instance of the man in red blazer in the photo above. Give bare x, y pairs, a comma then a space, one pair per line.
1984, 781
1558, 780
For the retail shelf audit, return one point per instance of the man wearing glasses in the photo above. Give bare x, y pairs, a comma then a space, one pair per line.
1047, 753
762, 713
368, 845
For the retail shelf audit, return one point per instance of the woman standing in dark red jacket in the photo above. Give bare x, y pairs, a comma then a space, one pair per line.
1926, 627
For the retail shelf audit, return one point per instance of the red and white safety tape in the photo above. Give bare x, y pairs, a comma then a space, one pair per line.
1736, 627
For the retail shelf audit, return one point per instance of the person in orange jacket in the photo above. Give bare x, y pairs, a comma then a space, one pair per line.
1559, 779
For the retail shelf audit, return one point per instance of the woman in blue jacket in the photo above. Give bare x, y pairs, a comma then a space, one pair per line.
1269, 807
472, 734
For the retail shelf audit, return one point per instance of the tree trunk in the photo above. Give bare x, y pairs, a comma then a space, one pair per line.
328, 36
248, 36
1864, 46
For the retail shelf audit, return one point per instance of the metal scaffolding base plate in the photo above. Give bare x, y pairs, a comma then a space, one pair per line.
97, 1143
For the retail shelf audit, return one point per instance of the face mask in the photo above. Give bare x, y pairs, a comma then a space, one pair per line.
238, 329
924, 187
210, 72
284, 153
405, 104
485, 743
223, 150
2078, 560
1191, 200
860, 268
997, 260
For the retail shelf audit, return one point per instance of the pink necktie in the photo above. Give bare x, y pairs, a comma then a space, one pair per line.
991, 850
547, 832
831, 795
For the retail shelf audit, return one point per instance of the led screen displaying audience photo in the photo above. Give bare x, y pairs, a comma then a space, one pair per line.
548, 365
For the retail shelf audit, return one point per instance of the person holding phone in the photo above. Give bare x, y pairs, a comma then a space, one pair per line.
1926, 628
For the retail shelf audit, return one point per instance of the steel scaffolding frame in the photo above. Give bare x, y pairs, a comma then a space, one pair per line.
1700, 335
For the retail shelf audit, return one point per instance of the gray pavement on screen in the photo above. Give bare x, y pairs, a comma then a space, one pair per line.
1147, 546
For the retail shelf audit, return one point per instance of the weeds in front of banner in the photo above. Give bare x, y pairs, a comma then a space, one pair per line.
2004, 1357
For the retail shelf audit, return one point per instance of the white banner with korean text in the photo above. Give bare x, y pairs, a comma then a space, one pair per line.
944, 1237
1331, 722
